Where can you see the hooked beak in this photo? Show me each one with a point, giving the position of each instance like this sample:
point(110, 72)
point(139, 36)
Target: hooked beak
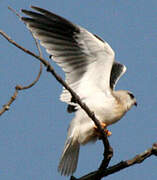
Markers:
point(135, 103)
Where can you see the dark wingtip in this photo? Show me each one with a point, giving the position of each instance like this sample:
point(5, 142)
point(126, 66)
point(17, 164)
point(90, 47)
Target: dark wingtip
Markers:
point(23, 10)
point(34, 7)
point(41, 10)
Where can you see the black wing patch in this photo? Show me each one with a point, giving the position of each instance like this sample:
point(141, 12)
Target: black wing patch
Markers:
point(117, 71)
point(47, 20)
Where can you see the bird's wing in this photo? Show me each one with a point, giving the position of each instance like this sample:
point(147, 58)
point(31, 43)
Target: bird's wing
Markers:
point(117, 71)
point(85, 59)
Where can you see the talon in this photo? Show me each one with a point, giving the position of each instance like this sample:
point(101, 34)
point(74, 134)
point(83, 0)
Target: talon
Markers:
point(103, 125)
point(108, 133)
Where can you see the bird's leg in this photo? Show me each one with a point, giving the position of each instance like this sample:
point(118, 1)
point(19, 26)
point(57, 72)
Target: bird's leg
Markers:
point(103, 125)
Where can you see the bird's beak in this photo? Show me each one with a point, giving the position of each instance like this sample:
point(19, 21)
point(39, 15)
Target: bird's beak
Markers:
point(135, 103)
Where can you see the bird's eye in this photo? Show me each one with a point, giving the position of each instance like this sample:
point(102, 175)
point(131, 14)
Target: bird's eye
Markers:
point(131, 95)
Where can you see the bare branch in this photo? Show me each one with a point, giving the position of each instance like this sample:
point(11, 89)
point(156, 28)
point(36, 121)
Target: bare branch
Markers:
point(18, 88)
point(120, 166)
point(13, 10)
point(73, 94)
point(34, 82)
point(6, 107)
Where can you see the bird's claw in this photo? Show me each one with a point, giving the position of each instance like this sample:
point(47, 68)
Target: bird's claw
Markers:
point(103, 125)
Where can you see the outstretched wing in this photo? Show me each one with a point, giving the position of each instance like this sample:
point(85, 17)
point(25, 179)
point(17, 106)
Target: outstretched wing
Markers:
point(85, 59)
point(117, 71)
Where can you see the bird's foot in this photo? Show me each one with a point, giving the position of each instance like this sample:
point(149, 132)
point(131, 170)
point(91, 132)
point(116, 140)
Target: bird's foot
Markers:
point(103, 125)
point(108, 133)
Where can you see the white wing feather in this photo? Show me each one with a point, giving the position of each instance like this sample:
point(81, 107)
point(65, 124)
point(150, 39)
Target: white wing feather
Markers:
point(85, 59)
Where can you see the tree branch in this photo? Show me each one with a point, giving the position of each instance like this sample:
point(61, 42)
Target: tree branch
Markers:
point(18, 88)
point(6, 107)
point(120, 166)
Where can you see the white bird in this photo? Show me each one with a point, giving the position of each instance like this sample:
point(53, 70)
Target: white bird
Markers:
point(91, 71)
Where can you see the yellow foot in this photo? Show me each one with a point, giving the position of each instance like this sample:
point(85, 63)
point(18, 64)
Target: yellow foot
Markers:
point(108, 133)
point(103, 125)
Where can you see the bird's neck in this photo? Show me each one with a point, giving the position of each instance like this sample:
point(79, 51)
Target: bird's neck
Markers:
point(121, 101)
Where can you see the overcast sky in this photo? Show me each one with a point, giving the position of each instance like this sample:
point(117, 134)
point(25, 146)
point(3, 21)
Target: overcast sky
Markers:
point(33, 131)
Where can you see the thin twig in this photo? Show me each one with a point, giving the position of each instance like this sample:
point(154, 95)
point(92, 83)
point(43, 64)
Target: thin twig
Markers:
point(34, 82)
point(15, 12)
point(6, 107)
point(18, 88)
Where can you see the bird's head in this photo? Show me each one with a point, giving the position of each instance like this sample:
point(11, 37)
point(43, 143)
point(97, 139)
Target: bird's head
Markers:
point(126, 98)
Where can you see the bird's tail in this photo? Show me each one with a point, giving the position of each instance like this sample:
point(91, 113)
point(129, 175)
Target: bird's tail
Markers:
point(69, 158)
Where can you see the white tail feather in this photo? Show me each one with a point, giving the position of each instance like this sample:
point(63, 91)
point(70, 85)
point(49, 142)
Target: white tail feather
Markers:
point(69, 158)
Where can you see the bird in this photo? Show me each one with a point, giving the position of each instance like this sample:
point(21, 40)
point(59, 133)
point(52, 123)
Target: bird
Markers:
point(90, 70)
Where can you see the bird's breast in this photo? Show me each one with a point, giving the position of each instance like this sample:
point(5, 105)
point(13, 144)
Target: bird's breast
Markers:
point(109, 113)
